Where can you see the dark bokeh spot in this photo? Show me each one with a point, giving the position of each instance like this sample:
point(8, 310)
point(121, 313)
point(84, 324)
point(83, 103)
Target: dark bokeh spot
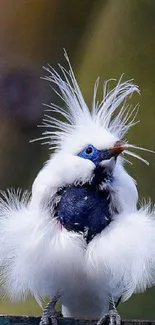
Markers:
point(22, 93)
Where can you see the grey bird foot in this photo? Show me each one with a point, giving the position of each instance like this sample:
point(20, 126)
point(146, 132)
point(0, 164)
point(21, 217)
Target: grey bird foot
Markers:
point(111, 318)
point(50, 315)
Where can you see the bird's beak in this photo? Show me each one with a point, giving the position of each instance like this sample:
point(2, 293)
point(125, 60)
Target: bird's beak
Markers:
point(108, 156)
point(118, 148)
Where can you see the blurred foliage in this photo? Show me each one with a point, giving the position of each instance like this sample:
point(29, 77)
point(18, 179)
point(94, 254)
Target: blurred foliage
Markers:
point(103, 38)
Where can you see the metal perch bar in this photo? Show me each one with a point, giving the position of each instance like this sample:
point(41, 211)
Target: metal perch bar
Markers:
point(34, 320)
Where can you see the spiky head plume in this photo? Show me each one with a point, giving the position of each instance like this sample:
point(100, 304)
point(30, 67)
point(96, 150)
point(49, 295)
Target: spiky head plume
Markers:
point(75, 112)
point(111, 118)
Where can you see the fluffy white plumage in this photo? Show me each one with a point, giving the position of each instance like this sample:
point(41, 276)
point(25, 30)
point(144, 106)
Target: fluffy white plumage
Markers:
point(42, 258)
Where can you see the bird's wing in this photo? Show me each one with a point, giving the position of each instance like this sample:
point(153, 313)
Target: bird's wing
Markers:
point(123, 255)
point(35, 253)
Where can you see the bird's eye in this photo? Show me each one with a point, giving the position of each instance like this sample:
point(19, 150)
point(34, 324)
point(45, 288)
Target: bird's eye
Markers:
point(89, 150)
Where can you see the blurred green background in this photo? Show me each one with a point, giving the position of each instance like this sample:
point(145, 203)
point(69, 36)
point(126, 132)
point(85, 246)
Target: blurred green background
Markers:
point(103, 38)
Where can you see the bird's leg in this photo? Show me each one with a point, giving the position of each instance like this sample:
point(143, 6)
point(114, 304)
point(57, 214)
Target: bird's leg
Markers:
point(112, 317)
point(50, 316)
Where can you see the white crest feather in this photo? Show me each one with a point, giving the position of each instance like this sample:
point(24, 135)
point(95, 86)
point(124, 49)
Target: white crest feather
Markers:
point(75, 111)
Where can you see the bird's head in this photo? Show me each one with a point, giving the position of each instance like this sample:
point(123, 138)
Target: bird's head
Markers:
point(89, 143)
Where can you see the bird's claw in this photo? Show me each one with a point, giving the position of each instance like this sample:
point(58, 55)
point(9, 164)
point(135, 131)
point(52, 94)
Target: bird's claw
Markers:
point(49, 320)
point(50, 315)
point(111, 318)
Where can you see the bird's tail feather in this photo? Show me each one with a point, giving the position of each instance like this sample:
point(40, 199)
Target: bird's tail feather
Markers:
point(14, 220)
point(21, 245)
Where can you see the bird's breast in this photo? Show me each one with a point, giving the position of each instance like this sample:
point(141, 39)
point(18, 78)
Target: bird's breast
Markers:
point(84, 209)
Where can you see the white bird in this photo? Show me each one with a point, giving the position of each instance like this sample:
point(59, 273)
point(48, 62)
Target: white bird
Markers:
point(79, 235)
